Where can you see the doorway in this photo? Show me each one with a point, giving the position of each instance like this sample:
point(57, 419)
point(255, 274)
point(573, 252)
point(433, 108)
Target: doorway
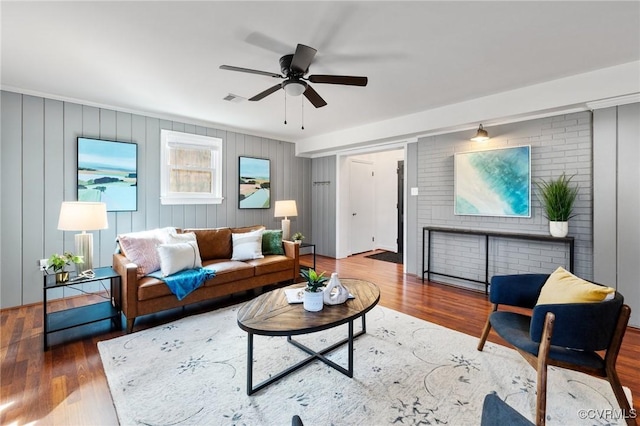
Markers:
point(361, 195)
point(400, 206)
point(382, 232)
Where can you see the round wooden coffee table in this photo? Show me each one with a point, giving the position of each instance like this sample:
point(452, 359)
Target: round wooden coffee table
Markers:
point(271, 315)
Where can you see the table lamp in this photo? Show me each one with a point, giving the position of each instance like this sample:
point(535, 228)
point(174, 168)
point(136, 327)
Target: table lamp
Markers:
point(83, 216)
point(286, 208)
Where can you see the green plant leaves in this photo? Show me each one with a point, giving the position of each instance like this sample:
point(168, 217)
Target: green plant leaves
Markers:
point(314, 280)
point(557, 198)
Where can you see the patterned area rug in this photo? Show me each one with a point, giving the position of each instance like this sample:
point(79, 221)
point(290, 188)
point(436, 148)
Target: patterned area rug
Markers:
point(406, 371)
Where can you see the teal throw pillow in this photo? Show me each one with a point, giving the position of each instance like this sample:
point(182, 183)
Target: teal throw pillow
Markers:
point(272, 241)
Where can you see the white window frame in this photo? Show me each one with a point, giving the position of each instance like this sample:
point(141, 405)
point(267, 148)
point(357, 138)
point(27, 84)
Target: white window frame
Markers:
point(170, 138)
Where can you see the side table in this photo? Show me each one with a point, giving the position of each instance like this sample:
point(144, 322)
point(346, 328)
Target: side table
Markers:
point(313, 246)
point(82, 315)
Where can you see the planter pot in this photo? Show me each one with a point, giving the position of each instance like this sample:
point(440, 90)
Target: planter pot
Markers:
point(297, 241)
point(558, 229)
point(62, 277)
point(313, 301)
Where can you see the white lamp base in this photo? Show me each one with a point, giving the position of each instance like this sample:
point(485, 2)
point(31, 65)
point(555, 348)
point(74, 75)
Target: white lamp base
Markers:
point(84, 248)
point(286, 228)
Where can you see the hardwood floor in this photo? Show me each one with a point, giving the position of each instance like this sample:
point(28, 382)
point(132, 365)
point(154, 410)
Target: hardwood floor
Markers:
point(66, 385)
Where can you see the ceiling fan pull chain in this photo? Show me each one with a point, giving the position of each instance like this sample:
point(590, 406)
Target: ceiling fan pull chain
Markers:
point(285, 107)
point(302, 106)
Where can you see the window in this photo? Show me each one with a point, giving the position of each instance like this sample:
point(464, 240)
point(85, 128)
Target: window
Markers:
point(191, 169)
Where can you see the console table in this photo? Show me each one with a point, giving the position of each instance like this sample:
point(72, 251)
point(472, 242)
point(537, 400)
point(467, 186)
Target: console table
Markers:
point(426, 246)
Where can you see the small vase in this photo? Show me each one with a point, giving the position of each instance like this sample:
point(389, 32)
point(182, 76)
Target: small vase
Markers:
point(335, 293)
point(297, 241)
point(558, 229)
point(313, 301)
point(62, 277)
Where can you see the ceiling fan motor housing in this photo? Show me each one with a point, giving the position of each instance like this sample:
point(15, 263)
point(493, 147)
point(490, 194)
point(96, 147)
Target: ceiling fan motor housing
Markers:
point(285, 67)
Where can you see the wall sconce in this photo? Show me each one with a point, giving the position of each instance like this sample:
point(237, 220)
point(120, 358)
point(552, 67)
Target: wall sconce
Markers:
point(286, 208)
point(481, 135)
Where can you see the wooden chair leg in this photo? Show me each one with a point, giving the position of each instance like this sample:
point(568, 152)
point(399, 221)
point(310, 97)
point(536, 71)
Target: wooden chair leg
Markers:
point(623, 402)
point(543, 354)
point(486, 329)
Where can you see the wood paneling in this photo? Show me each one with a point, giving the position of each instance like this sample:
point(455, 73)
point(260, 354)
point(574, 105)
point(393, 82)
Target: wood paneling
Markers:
point(39, 163)
point(11, 200)
point(67, 385)
point(323, 205)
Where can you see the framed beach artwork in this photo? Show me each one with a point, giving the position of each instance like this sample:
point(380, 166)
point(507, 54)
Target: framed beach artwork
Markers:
point(108, 172)
point(494, 182)
point(254, 183)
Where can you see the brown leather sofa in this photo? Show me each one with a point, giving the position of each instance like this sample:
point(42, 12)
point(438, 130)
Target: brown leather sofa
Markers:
point(149, 295)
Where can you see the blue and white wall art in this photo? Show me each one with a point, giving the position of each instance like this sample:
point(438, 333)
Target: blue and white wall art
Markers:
point(495, 182)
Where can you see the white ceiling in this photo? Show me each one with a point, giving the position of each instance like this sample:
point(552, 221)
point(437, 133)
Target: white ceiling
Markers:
point(163, 58)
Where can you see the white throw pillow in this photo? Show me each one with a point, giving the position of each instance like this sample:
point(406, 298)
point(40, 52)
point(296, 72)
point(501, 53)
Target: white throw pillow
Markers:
point(177, 257)
point(175, 238)
point(247, 246)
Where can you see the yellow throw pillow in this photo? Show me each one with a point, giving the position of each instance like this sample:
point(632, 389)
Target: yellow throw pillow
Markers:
point(564, 287)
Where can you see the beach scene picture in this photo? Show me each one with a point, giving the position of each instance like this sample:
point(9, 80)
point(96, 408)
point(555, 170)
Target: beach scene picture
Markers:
point(107, 172)
point(494, 182)
point(255, 185)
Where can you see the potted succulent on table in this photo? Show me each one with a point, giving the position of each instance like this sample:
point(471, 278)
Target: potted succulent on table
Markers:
point(557, 197)
point(313, 298)
point(297, 237)
point(58, 262)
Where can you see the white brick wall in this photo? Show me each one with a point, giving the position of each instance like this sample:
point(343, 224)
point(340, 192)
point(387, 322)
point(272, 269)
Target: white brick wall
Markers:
point(558, 144)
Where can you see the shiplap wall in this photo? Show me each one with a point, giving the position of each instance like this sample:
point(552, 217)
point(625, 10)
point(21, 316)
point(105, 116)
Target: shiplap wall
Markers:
point(38, 159)
point(558, 144)
point(616, 215)
point(324, 194)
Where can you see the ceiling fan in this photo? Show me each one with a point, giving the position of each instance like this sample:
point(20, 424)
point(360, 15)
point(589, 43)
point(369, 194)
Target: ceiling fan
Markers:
point(294, 67)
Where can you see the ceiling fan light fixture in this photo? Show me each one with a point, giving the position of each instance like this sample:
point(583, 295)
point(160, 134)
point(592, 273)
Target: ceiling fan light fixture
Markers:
point(294, 87)
point(481, 135)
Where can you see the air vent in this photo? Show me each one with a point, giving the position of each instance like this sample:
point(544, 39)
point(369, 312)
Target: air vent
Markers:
point(233, 98)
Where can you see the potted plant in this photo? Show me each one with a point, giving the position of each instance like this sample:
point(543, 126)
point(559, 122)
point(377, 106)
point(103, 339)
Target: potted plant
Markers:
point(313, 298)
point(298, 237)
point(58, 262)
point(557, 197)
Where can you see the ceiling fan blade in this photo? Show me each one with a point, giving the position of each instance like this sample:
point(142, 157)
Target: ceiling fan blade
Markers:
point(339, 79)
point(302, 58)
point(250, 71)
point(314, 98)
point(266, 93)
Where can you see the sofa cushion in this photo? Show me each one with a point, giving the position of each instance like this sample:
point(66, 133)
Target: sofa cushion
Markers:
point(140, 248)
point(564, 287)
point(271, 263)
point(272, 242)
point(228, 270)
point(247, 245)
point(213, 243)
point(244, 229)
point(178, 256)
point(152, 287)
point(141, 251)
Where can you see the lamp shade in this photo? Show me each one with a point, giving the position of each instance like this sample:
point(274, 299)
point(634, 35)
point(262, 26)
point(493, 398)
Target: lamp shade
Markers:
point(294, 87)
point(82, 216)
point(286, 208)
point(481, 135)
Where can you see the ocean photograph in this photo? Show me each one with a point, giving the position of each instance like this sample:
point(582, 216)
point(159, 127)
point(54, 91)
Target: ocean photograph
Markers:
point(495, 182)
point(255, 185)
point(107, 172)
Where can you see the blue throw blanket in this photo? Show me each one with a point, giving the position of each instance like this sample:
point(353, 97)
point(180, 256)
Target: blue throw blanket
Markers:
point(184, 282)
